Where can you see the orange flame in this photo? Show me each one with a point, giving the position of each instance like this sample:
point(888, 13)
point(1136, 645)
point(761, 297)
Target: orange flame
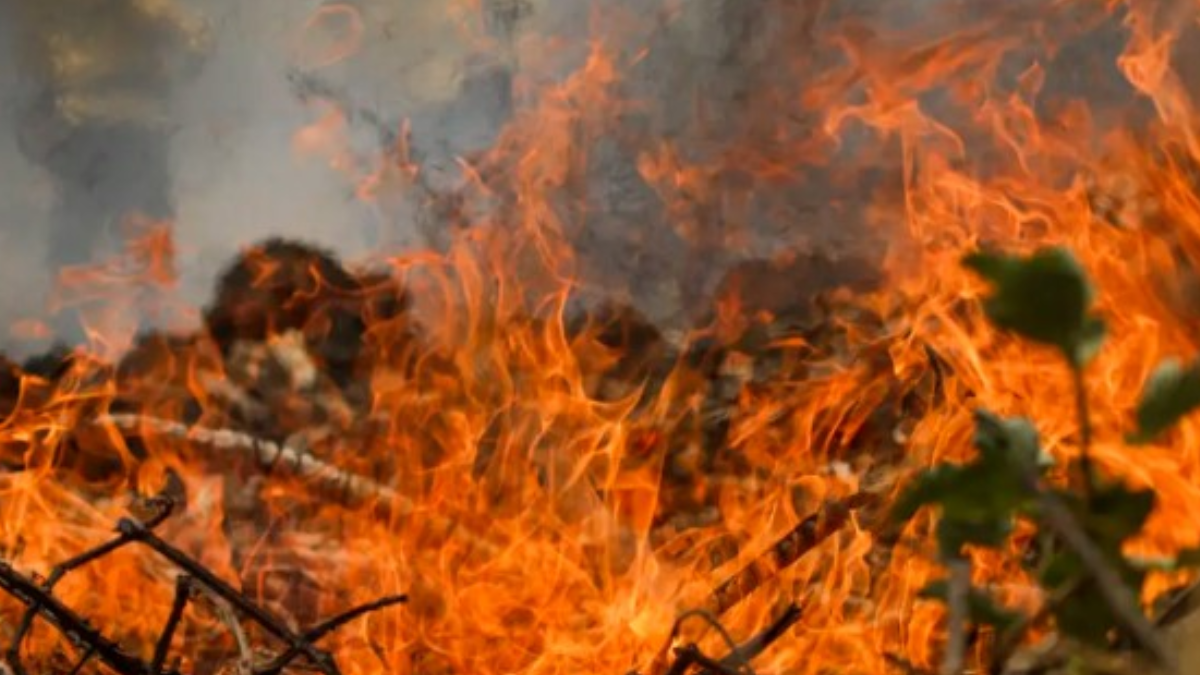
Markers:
point(549, 527)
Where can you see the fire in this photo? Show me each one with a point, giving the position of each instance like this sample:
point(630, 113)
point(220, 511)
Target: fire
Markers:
point(541, 525)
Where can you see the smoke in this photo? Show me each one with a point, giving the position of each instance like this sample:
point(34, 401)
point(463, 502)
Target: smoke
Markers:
point(234, 172)
point(714, 76)
point(25, 197)
point(236, 176)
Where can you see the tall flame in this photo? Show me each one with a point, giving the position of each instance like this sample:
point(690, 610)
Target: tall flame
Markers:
point(547, 528)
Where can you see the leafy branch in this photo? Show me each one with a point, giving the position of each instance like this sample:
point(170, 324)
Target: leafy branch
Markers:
point(1092, 589)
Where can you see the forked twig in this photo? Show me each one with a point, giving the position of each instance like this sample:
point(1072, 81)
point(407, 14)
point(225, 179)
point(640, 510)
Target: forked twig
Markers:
point(789, 549)
point(737, 662)
point(41, 602)
point(76, 629)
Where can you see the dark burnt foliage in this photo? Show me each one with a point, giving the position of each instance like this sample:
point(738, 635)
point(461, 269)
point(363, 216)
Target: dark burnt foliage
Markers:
point(282, 285)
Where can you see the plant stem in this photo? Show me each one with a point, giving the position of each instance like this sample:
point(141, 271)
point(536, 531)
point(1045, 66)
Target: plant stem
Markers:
point(956, 599)
point(1109, 585)
point(1087, 484)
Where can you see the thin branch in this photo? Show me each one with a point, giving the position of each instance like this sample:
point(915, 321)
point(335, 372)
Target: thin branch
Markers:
point(956, 600)
point(319, 631)
point(327, 480)
point(83, 661)
point(1087, 481)
point(76, 629)
point(229, 619)
point(271, 623)
point(695, 656)
point(162, 512)
point(1109, 584)
point(684, 659)
point(711, 620)
point(37, 596)
point(802, 539)
point(183, 593)
point(752, 648)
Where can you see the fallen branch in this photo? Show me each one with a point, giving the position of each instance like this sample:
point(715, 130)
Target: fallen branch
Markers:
point(752, 648)
point(809, 534)
point(327, 480)
point(801, 540)
point(76, 628)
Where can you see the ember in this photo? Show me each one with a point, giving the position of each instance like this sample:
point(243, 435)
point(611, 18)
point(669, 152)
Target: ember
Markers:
point(833, 361)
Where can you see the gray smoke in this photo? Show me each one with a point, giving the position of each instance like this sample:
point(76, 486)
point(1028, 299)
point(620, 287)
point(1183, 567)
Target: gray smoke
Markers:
point(716, 74)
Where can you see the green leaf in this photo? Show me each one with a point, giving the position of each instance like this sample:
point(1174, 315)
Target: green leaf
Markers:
point(1086, 617)
point(1045, 297)
point(982, 609)
point(1171, 392)
point(1116, 513)
point(929, 487)
point(955, 532)
point(1010, 443)
point(1083, 614)
point(978, 500)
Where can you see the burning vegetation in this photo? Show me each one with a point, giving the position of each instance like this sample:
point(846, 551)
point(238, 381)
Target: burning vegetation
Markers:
point(889, 375)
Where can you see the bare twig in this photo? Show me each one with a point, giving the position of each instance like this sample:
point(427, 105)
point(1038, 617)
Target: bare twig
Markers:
point(349, 488)
point(218, 586)
point(40, 601)
point(738, 660)
point(321, 630)
point(228, 618)
point(83, 661)
point(183, 592)
point(956, 600)
point(752, 648)
point(801, 540)
point(327, 480)
point(35, 608)
point(695, 656)
point(1087, 480)
point(74, 627)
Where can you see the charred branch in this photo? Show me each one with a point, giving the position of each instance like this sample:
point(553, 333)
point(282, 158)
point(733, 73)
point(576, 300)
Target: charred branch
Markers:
point(739, 658)
point(76, 628)
point(802, 539)
point(40, 601)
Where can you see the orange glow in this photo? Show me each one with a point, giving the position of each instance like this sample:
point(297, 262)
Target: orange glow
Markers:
point(545, 524)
